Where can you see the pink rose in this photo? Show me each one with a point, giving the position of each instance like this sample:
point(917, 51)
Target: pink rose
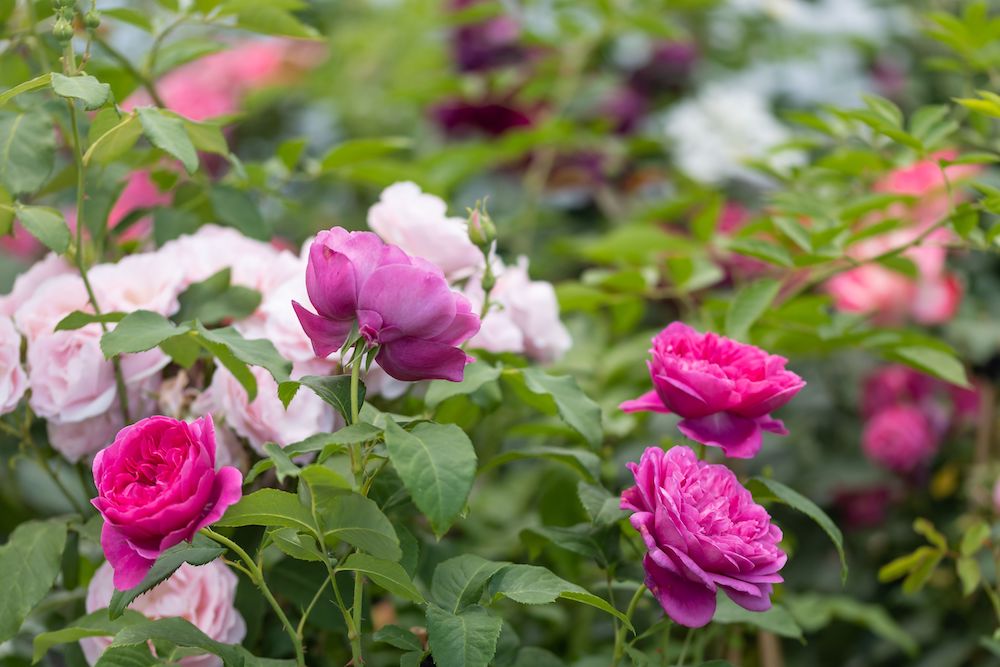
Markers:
point(49, 303)
point(723, 390)
point(204, 595)
point(144, 281)
point(703, 532)
point(901, 438)
point(70, 378)
point(526, 319)
point(863, 507)
point(419, 224)
point(928, 182)
point(400, 303)
point(157, 485)
point(28, 282)
point(13, 379)
point(266, 419)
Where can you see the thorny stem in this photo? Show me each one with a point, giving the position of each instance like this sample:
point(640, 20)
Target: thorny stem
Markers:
point(257, 577)
point(308, 610)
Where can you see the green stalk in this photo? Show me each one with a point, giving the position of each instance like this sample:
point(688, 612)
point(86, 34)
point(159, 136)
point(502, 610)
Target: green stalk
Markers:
point(257, 577)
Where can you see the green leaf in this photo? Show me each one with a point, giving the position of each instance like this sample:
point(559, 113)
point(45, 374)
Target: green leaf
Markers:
point(531, 584)
point(297, 545)
point(388, 574)
point(95, 624)
point(902, 565)
point(358, 521)
point(334, 389)
point(84, 87)
point(37, 83)
point(349, 435)
point(797, 501)
point(29, 564)
point(748, 305)
point(357, 150)
point(476, 375)
point(437, 464)
point(969, 573)
point(577, 409)
point(268, 507)
point(133, 17)
point(180, 632)
point(127, 656)
point(166, 131)
point(814, 612)
point(466, 639)
point(114, 143)
point(936, 362)
point(79, 319)
point(602, 507)
point(235, 208)
point(47, 225)
point(776, 619)
point(207, 137)
point(587, 464)
point(255, 352)
point(137, 332)
point(393, 635)
point(269, 20)
point(199, 552)
point(768, 252)
point(923, 570)
point(926, 528)
point(974, 538)
point(283, 465)
point(215, 299)
point(459, 582)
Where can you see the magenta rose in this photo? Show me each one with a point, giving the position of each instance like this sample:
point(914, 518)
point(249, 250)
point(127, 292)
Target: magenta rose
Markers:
point(723, 390)
point(400, 304)
point(703, 532)
point(901, 438)
point(157, 486)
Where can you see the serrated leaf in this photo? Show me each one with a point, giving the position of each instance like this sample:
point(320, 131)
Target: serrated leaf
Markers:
point(969, 574)
point(335, 390)
point(283, 465)
point(974, 538)
point(139, 331)
point(357, 520)
point(748, 305)
point(27, 151)
point(797, 501)
point(776, 619)
point(577, 409)
point(115, 142)
point(437, 464)
point(83, 87)
point(587, 464)
point(95, 624)
point(476, 375)
point(47, 225)
point(459, 582)
point(466, 639)
point(236, 209)
point(37, 83)
point(936, 362)
point(29, 564)
point(167, 132)
point(357, 150)
point(393, 635)
point(79, 319)
point(268, 507)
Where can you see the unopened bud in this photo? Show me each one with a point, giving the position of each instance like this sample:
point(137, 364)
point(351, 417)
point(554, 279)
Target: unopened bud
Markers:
point(62, 30)
point(92, 19)
point(482, 231)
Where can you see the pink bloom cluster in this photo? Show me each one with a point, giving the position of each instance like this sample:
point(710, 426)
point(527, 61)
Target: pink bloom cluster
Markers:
point(890, 297)
point(723, 390)
point(203, 595)
point(906, 415)
point(703, 533)
point(72, 385)
point(157, 485)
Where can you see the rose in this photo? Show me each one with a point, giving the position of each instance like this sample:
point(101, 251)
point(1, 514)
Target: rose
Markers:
point(203, 595)
point(703, 532)
point(418, 223)
point(266, 419)
point(402, 305)
point(13, 379)
point(29, 281)
point(525, 318)
point(901, 438)
point(157, 486)
point(723, 390)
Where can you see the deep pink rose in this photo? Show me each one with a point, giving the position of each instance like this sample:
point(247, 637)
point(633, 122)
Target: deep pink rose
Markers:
point(401, 304)
point(703, 532)
point(901, 438)
point(204, 595)
point(723, 390)
point(157, 486)
point(862, 507)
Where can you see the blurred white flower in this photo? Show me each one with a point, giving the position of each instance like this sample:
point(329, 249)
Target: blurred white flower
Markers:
point(714, 134)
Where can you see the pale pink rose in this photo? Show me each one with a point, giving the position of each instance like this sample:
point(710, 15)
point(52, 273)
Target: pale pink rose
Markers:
point(419, 224)
point(926, 180)
point(80, 440)
point(49, 303)
point(266, 419)
point(217, 84)
point(19, 243)
point(204, 595)
point(70, 379)
point(276, 321)
point(13, 379)
point(140, 192)
point(28, 282)
point(524, 317)
point(144, 281)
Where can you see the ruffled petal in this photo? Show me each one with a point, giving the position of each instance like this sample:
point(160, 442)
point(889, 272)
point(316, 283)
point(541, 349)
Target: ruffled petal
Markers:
point(738, 437)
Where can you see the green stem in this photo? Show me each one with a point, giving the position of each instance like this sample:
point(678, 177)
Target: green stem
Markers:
point(81, 264)
point(257, 576)
point(356, 648)
point(685, 647)
point(308, 610)
point(145, 81)
point(620, 629)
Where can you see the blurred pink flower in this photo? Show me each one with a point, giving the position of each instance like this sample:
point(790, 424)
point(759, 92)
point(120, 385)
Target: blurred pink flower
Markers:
point(13, 379)
point(723, 390)
point(901, 438)
point(204, 595)
point(863, 507)
point(703, 532)
point(928, 181)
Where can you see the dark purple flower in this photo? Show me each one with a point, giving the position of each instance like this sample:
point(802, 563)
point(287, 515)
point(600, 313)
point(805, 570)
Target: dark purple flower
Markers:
point(668, 70)
point(486, 44)
point(459, 118)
